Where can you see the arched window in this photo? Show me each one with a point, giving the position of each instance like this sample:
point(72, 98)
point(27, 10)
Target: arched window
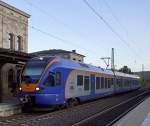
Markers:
point(11, 40)
point(19, 43)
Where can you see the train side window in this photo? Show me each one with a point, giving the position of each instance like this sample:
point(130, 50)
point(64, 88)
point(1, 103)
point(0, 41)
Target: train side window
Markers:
point(102, 82)
point(80, 80)
point(121, 82)
point(50, 81)
point(86, 83)
point(125, 83)
point(112, 81)
point(128, 82)
point(134, 82)
point(97, 82)
point(109, 82)
point(118, 82)
point(106, 82)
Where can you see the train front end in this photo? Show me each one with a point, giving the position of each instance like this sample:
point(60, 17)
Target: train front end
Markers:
point(33, 88)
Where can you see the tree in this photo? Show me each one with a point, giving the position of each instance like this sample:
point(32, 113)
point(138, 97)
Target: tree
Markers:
point(125, 69)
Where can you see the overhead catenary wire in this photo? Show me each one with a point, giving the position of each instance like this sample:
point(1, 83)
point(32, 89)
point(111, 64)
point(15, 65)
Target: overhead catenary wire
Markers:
point(60, 39)
point(50, 35)
point(58, 20)
point(50, 16)
point(109, 26)
point(121, 25)
point(61, 22)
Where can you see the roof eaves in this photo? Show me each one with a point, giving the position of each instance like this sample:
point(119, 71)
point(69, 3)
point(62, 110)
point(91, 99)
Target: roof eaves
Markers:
point(14, 9)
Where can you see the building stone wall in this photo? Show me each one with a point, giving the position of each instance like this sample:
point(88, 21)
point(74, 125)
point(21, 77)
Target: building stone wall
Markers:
point(64, 55)
point(15, 23)
point(1, 38)
point(76, 57)
point(13, 36)
point(72, 56)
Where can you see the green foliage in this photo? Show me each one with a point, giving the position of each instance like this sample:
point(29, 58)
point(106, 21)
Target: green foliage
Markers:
point(145, 80)
point(125, 69)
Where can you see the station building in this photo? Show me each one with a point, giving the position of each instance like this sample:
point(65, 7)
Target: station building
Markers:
point(72, 55)
point(13, 47)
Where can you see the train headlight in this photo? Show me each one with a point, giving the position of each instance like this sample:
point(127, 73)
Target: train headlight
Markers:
point(20, 89)
point(37, 88)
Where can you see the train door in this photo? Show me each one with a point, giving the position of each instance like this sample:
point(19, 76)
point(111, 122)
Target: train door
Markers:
point(92, 84)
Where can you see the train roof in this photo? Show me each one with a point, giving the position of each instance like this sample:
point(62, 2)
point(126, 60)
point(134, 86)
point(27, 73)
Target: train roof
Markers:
point(87, 67)
point(82, 66)
point(126, 75)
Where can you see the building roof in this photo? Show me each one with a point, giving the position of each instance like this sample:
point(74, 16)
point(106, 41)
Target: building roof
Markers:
point(14, 9)
point(56, 51)
point(7, 55)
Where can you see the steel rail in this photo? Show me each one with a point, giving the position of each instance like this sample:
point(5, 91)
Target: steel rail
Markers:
point(111, 108)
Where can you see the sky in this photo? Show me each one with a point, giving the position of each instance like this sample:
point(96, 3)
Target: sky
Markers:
point(71, 24)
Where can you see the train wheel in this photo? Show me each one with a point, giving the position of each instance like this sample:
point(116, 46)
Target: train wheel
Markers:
point(58, 107)
point(27, 108)
point(76, 101)
point(72, 102)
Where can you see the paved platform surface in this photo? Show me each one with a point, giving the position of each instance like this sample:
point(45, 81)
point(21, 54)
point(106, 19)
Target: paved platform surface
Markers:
point(140, 116)
point(9, 107)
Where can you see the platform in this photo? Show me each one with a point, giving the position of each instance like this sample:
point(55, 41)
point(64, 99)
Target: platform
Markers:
point(9, 107)
point(140, 116)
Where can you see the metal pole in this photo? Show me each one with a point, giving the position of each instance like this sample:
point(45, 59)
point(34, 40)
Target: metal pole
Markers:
point(112, 59)
point(143, 79)
point(113, 67)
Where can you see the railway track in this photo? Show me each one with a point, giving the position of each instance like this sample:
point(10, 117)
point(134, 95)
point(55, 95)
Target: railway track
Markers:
point(15, 119)
point(109, 116)
point(84, 114)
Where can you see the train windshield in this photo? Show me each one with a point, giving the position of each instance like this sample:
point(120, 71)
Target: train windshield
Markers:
point(34, 68)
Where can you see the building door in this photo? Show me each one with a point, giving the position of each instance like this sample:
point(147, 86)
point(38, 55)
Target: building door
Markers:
point(11, 84)
point(8, 77)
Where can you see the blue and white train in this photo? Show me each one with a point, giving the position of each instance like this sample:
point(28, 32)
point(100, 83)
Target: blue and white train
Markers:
point(52, 81)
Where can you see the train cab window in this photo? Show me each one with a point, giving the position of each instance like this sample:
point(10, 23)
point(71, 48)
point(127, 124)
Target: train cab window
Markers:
point(58, 78)
point(80, 80)
point(86, 83)
point(97, 82)
point(102, 82)
point(50, 81)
